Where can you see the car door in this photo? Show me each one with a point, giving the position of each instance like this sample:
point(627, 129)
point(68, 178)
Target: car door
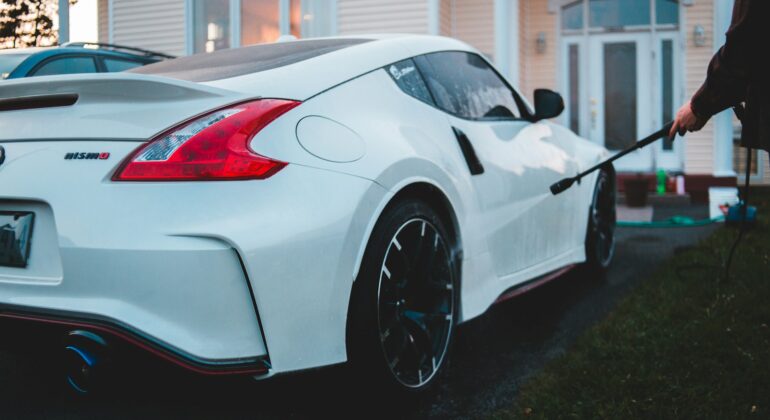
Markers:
point(512, 161)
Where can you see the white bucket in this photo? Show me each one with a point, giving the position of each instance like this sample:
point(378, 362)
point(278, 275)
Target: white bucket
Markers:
point(719, 196)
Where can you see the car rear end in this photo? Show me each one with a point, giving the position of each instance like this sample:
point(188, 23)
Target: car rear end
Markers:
point(100, 230)
point(175, 207)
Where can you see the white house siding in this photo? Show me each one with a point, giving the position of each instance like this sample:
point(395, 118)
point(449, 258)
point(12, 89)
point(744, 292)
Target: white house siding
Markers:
point(103, 32)
point(699, 147)
point(382, 16)
point(474, 23)
point(157, 25)
point(445, 16)
point(537, 69)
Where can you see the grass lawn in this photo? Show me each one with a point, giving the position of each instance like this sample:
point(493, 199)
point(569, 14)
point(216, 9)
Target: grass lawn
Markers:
point(679, 346)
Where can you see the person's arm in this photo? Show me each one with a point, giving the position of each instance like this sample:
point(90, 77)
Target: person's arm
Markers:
point(727, 76)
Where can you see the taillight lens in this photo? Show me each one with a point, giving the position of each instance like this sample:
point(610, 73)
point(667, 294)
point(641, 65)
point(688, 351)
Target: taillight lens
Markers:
point(212, 147)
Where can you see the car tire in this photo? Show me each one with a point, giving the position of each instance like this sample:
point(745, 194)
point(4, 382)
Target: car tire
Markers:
point(404, 305)
point(602, 217)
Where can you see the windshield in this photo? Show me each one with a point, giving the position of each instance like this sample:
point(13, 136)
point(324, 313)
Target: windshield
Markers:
point(8, 62)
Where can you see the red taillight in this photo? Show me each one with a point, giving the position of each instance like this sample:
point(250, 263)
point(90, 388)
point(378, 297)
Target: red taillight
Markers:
point(212, 147)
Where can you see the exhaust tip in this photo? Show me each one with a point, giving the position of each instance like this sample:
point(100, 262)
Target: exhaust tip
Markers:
point(86, 360)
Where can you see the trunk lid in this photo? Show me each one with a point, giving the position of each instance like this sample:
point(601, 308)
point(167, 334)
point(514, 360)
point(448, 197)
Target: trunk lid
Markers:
point(117, 106)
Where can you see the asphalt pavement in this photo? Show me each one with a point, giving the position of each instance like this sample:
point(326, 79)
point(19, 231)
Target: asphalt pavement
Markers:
point(493, 356)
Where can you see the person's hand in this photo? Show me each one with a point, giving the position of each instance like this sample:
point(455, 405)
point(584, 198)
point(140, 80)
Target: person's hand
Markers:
point(685, 121)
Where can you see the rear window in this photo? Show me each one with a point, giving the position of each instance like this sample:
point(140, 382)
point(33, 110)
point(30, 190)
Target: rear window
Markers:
point(235, 62)
point(8, 63)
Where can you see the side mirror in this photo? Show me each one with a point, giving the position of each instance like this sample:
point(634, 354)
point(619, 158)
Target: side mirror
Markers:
point(548, 104)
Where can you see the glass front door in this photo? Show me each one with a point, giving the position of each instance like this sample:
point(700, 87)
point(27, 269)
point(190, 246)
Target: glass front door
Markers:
point(619, 103)
point(620, 76)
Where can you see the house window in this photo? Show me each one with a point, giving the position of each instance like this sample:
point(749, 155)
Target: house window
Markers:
point(216, 25)
point(618, 14)
point(667, 12)
point(260, 21)
point(574, 88)
point(572, 16)
point(667, 94)
point(312, 18)
point(211, 25)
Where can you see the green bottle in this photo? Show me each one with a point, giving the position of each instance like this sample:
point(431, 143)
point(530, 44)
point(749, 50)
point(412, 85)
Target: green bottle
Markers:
point(661, 182)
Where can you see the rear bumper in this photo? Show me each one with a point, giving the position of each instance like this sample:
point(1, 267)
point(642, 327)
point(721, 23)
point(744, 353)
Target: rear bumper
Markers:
point(189, 301)
point(115, 330)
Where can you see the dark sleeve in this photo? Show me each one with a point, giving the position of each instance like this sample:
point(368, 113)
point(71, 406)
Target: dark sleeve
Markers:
point(728, 72)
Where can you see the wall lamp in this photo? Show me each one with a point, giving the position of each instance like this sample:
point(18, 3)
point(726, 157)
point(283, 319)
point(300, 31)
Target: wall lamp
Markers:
point(699, 36)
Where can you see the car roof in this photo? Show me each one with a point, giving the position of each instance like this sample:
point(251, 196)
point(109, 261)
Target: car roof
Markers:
point(245, 60)
point(299, 69)
point(24, 51)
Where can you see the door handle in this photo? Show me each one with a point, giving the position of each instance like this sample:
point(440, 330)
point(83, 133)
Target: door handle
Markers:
point(473, 162)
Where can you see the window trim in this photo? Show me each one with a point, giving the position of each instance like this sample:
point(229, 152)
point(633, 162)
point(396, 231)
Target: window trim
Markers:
point(38, 66)
point(525, 113)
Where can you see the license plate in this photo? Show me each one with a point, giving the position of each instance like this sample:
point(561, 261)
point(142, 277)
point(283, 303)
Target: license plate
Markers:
point(15, 237)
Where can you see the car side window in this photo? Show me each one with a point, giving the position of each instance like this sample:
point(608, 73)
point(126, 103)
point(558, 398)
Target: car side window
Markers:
point(66, 65)
point(116, 64)
point(408, 78)
point(463, 84)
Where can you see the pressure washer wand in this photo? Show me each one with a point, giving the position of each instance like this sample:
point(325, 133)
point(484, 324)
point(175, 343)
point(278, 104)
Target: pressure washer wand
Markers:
point(566, 183)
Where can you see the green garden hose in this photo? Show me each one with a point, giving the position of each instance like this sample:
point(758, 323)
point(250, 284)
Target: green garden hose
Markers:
point(674, 222)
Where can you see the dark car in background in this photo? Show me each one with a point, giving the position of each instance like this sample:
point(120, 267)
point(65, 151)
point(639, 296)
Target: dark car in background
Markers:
point(70, 58)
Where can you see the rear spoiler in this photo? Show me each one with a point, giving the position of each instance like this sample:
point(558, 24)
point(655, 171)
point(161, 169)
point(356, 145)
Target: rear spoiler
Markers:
point(64, 90)
point(98, 106)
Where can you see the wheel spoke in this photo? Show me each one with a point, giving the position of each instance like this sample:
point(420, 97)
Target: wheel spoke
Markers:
point(398, 355)
point(418, 330)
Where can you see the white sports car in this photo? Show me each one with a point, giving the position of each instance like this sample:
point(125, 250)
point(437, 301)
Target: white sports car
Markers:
point(288, 206)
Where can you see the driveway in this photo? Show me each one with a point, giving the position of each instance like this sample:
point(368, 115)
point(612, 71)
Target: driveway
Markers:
point(494, 355)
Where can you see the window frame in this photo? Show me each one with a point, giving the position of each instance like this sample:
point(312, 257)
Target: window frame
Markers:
point(525, 113)
point(235, 15)
point(33, 71)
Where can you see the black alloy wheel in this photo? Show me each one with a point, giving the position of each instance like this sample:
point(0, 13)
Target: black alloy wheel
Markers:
point(600, 241)
point(416, 302)
point(404, 306)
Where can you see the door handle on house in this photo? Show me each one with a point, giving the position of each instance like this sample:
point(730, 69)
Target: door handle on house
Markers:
point(594, 114)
